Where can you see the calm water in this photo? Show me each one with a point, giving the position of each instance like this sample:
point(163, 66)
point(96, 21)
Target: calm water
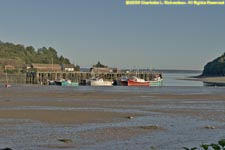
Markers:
point(173, 79)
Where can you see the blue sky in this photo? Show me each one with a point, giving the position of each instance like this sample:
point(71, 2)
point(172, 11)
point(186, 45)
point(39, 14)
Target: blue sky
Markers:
point(87, 31)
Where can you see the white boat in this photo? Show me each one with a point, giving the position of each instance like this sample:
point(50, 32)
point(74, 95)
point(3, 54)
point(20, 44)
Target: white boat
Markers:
point(98, 82)
point(64, 82)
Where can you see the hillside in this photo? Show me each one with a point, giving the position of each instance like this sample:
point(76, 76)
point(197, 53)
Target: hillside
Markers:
point(215, 67)
point(19, 54)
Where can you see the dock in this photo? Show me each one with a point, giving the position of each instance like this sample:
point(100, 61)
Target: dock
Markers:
point(80, 77)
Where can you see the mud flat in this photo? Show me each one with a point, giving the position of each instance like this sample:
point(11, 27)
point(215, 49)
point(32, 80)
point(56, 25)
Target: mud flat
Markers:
point(213, 81)
point(207, 81)
point(36, 117)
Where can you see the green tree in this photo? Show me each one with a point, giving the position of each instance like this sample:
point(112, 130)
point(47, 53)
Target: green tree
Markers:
point(215, 67)
point(99, 65)
point(30, 55)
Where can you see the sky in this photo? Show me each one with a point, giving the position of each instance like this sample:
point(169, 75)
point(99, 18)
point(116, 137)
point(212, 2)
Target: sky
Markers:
point(117, 35)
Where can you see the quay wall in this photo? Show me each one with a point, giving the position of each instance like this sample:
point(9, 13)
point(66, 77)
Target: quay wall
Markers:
point(13, 78)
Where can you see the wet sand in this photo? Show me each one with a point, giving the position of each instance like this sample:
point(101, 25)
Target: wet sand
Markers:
point(90, 105)
point(107, 111)
point(219, 80)
point(16, 105)
point(207, 81)
point(213, 79)
point(63, 117)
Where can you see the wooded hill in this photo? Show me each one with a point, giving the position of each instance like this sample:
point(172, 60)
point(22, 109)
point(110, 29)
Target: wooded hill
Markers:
point(17, 54)
point(215, 67)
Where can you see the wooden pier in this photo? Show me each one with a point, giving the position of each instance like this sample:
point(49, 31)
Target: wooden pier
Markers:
point(44, 77)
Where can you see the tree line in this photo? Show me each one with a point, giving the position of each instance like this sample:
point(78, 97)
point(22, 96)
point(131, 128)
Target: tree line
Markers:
point(27, 55)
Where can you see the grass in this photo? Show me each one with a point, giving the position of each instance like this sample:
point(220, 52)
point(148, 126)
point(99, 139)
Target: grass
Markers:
point(220, 145)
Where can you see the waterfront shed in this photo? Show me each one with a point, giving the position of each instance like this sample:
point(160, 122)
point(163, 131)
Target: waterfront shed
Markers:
point(46, 67)
point(9, 67)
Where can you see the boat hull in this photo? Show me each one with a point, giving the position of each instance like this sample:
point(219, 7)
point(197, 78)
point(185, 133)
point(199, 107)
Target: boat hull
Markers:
point(156, 83)
point(66, 83)
point(146, 83)
point(135, 83)
point(100, 83)
point(123, 83)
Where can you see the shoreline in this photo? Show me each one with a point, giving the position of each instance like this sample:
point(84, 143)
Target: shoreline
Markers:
point(216, 79)
point(207, 80)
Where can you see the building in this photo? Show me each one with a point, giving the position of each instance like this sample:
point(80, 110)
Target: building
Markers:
point(46, 67)
point(68, 67)
point(103, 70)
point(9, 67)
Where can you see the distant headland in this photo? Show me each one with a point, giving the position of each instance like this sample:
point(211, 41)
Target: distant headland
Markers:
point(214, 72)
point(215, 67)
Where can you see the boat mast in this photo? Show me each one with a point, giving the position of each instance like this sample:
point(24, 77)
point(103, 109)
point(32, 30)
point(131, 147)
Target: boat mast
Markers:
point(6, 77)
point(52, 64)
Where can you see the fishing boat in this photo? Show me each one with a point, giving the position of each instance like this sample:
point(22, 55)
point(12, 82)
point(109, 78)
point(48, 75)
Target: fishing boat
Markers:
point(156, 82)
point(7, 85)
point(64, 82)
point(98, 82)
point(135, 81)
point(51, 82)
point(123, 81)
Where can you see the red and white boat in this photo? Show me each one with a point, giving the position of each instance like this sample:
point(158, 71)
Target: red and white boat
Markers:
point(135, 81)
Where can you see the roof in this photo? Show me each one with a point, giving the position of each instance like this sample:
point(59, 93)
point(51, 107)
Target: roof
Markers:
point(98, 68)
point(46, 66)
point(68, 66)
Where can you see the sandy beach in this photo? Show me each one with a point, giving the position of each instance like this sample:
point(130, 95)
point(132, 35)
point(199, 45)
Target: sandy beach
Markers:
point(101, 117)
